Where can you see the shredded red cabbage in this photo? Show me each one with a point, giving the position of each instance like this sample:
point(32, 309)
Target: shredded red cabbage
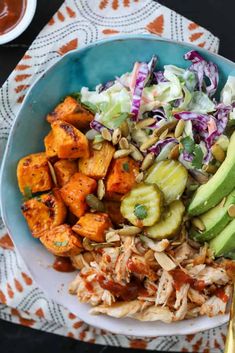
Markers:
point(143, 75)
point(203, 69)
point(96, 125)
point(156, 149)
point(158, 77)
point(199, 121)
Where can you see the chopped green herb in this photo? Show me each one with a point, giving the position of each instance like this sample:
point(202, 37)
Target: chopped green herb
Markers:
point(27, 193)
point(198, 157)
point(140, 211)
point(126, 167)
point(188, 144)
point(61, 243)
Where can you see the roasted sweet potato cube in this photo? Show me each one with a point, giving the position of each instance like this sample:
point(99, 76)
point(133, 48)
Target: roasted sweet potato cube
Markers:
point(96, 166)
point(75, 191)
point(64, 169)
point(93, 226)
point(121, 177)
point(62, 241)
point(50, 145)
point(113, 210)
point(33, 173)
point(44, 212)
point(69, 142)
point(71, 111)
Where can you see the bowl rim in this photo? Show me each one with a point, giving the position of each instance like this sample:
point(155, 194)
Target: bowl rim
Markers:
point(221, 319)
point(22, 24)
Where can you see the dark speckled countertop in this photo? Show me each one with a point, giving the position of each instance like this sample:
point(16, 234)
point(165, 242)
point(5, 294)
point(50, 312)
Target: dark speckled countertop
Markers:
point(217, 16)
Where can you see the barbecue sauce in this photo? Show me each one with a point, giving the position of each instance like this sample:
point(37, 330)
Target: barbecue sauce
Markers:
point(63, 264)
point(11, 12)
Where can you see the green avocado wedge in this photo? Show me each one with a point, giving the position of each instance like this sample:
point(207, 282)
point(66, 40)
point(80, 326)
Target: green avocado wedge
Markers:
point(220, 185)
point(214, 220)
point(224, 243)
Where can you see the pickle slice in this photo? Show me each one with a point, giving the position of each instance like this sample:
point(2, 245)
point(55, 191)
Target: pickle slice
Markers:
point(170, 222)
point(171, 178)
point(142, 205)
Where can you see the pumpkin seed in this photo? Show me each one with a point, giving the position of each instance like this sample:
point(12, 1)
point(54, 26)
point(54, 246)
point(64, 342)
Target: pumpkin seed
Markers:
point(231, 211)
point(106, 134)
point(145, 122)
point(151, 141)
point(95, 203)
point(218, 152)
point(53, 174)
point(210, 168)
point(136, 154)
point(170, 125)
point(116, 136)
point(163, 135)
point(124, 129)
point(100, 189)
point(129, 230)
point(179, 128)
point(197, 222)
point(139, 177)
point(174, 153)
point(97, 146)
point(124, 144)
point(148, 161)
point(121, 153)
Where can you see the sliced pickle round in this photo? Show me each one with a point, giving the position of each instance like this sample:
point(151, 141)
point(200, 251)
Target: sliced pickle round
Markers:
point(171, 178)
point(170, 222)
point(142, 205)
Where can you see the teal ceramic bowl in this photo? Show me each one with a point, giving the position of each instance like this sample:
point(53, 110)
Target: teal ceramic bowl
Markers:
point(89, 66)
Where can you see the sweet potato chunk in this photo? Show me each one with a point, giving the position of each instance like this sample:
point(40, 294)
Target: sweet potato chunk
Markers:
point(96, 166)
point(61, 241)
point(75, 191)
point(93, 226)
point(33, 173)
point(113, 210)
point(71, 111)
point(69, 142)
point(64, 169)
point(44, 212)
point(50, 146)
point(121, 177)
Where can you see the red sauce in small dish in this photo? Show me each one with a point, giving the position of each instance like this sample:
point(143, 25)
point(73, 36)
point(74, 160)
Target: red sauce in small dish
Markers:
point(11, 12)
point(63, 264)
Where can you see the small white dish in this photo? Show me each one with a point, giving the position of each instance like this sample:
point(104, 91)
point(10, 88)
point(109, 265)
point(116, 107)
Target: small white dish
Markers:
point(22, 24)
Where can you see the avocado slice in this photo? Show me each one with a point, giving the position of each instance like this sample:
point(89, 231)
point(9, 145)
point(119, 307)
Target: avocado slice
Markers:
point(224, 243)
point(214, 220)
point(220, 184)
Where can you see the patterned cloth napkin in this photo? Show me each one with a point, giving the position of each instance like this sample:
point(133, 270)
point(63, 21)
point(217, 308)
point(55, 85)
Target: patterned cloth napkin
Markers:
point(79, 22)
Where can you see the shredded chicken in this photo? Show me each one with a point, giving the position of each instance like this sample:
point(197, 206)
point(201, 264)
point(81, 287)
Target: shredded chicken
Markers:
point(196, 297)
point(121, 270)
point(120, 309)
point(214, 305)
point(213, 275)
point(184, 252)
point(132, 280)
point(165, 288)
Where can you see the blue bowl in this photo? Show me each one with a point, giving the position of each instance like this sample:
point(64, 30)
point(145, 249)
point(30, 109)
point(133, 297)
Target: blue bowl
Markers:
point(89, 66)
